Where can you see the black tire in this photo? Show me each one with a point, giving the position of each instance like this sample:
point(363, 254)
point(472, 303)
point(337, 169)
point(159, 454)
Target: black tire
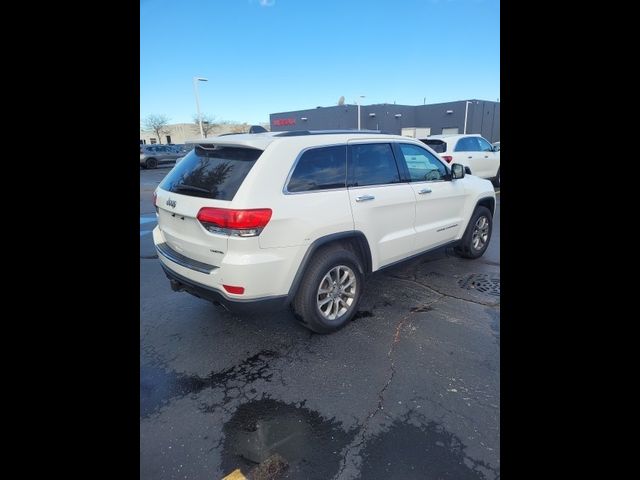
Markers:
point(151, 163)
point(305, 303)
point(467, 247)
point(496, 179)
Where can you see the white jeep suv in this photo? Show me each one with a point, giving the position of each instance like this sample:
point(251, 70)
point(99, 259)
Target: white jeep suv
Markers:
point(470, 150)
point(266, 220)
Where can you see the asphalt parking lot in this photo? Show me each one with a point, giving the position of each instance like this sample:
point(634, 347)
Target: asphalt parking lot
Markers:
point(410, 389)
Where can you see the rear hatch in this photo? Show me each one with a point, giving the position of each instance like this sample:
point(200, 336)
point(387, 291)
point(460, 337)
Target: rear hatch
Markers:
point(438, 146)
point(208, 176)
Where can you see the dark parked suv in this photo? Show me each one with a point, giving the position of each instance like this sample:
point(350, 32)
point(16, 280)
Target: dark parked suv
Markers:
point(153, 155)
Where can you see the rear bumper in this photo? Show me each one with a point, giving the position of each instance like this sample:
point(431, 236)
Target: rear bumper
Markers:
point(267, 304)
point(264, 274)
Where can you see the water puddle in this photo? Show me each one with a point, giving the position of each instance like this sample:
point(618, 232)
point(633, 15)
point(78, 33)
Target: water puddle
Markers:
point(409, 452)
point(158, 386)
point(310, 444)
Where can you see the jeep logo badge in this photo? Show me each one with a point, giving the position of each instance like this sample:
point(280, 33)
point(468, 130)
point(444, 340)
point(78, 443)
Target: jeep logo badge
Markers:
point(171, 203)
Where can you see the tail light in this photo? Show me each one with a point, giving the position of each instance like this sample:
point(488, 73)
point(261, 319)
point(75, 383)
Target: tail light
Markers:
point(237, 223)
point(155, 198)
point(447, 158)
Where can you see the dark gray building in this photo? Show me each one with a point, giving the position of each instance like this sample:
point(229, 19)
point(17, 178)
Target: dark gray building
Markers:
point(482, 117)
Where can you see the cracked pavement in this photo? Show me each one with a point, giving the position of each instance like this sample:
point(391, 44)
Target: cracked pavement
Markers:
point(410, 389)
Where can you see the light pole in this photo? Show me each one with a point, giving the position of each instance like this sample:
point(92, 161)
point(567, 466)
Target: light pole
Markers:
point(466, 111)
point(195, 89)
point(358, 101)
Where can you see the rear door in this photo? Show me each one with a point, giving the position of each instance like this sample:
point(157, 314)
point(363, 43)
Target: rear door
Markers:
point(162, 154)
point(466, 152)
point(383, 207)
point(174, 151)
point(439, 200)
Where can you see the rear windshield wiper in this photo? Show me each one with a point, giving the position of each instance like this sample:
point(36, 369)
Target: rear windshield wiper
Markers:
point(191, 187)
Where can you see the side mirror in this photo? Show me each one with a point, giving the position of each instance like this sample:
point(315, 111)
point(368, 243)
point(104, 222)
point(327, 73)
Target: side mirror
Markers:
point(457, 171)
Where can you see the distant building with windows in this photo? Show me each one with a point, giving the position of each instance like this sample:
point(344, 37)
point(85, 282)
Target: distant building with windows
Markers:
point(482, 116)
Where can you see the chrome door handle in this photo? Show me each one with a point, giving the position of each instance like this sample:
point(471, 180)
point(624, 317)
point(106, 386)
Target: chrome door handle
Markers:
point(424, 190)
point(364, 198)
point(486, 156)
point(470, 156)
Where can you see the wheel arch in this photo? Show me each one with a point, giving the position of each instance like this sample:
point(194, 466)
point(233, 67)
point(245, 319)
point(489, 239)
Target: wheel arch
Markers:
point(488, 202)
point(355, 240)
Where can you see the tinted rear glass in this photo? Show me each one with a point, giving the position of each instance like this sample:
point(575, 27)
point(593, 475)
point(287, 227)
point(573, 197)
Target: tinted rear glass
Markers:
point(438, 146)
point(211, 172)
point(320, 169)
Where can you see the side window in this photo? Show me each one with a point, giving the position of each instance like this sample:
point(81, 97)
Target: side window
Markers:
point(373, 164)
point(422, 164)
point(320, 169)
point(464, 145)
point(484, 145)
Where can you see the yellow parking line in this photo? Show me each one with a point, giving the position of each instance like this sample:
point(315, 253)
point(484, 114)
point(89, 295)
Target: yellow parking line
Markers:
point(235, 475)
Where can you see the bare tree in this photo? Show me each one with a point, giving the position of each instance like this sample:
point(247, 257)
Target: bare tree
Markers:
point(234, 127)
point(208, 124)
point(240, 127)
point(157, 123)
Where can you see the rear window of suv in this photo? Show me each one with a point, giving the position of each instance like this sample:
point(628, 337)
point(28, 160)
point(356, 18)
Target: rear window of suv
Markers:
point(438, 146)
point(210, 171)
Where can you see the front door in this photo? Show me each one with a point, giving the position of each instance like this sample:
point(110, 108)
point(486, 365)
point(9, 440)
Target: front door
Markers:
point(487, 161)
point(383, 208)
point(439, 200)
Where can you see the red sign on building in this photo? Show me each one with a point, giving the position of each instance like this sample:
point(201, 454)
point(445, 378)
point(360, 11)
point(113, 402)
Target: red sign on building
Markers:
point(284, 121)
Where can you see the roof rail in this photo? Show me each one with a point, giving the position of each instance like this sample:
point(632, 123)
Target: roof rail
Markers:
point(299, 133)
